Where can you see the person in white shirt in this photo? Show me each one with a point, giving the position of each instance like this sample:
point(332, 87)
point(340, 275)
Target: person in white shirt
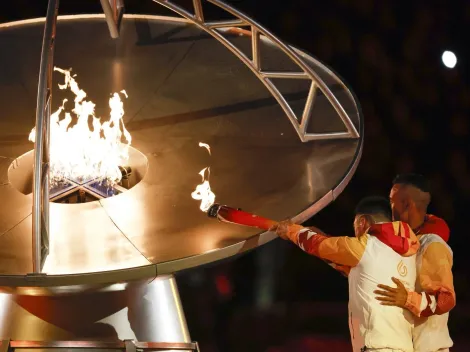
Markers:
point(435, 295)
point(381, 249)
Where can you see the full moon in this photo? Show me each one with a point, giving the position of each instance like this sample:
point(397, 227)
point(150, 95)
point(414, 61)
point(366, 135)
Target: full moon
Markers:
point(449, 59)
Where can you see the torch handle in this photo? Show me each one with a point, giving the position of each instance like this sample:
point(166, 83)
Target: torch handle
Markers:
point(241, 217)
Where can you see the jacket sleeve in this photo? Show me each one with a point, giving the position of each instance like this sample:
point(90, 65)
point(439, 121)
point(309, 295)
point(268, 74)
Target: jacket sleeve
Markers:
point(343, 251)
point(436, 280)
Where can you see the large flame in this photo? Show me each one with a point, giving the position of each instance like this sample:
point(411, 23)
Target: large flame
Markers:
point(83, 152)
point(203, 191)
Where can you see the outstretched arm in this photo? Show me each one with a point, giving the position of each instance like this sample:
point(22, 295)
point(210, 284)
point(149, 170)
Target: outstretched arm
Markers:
point(436, 281)
point(344, 251)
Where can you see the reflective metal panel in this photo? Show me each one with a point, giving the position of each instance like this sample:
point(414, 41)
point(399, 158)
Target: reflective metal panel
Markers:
point(184, 87)
point(143, 312)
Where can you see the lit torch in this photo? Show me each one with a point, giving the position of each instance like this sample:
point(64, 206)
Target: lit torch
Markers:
point(237, 216)
point(225, 213)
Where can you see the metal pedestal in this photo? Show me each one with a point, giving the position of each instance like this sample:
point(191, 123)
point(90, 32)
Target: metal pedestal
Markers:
point(142, 312)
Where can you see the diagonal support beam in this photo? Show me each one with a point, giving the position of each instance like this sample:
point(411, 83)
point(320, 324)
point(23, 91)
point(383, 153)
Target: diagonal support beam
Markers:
point(198, 12)
point(225, 24)
point(285, 75)
point(255, 48)
point(308, 108)
point(258, 33)
point(113, 12)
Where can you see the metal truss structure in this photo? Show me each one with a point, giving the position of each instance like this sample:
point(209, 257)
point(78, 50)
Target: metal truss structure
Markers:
point(305, 71)
point(113, 10)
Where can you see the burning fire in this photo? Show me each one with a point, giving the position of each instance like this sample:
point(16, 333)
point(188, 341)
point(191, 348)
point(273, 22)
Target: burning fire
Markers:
point(207, 146)
point(222, 212)
point(203, 191)
point(84, 151)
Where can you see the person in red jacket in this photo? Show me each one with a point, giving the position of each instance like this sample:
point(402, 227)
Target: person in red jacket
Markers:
point(435, 295)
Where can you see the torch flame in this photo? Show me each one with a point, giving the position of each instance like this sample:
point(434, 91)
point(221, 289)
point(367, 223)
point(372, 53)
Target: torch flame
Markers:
point(203, 191)
point(207, 146)
point(84, 152)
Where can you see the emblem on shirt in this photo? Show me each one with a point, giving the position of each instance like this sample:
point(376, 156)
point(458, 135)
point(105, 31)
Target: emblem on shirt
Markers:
point(402, 269)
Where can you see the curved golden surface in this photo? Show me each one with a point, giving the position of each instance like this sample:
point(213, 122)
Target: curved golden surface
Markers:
point(184, 87)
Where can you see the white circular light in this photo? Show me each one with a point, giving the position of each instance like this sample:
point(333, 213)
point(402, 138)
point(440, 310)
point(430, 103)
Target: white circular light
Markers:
point(449, 59)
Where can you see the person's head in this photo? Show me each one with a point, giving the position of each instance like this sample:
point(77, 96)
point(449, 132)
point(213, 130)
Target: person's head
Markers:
point(369, 211)
point(409, 198)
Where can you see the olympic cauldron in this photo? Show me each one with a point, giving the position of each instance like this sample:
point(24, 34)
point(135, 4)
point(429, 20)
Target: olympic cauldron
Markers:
point(286, 138)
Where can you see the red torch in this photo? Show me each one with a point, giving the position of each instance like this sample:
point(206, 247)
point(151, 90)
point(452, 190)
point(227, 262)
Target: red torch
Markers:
point(237, 216)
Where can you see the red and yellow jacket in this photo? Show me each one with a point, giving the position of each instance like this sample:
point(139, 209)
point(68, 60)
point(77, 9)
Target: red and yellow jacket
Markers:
point(385, 249)
point(345, 252)
point(435, 275)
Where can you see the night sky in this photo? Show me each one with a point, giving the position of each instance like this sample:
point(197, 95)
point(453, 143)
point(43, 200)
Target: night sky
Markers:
point(416, 120)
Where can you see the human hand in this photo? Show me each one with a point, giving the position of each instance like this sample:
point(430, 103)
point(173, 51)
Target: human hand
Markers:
point(391, 296)
point(282, 228)
point(286, 229)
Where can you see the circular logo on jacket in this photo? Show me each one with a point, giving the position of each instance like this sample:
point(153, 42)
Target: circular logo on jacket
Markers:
point(402, 269)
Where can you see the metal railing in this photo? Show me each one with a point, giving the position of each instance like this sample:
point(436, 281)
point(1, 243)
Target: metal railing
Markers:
point(126, 345)
point(300, 123)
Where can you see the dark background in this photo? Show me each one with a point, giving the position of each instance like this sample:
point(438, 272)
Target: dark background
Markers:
point(415, 110)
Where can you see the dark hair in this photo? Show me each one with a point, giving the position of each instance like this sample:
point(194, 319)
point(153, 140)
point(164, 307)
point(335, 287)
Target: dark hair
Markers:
point(416, 180)
point(375, 206)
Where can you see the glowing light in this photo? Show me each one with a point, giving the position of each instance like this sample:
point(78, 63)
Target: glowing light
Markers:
point(449, 59)
point(207, 146)
point(87, 149)
point(203, 191)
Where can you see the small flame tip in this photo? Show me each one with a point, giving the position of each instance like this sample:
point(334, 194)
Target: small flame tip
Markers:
point(203, 191)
